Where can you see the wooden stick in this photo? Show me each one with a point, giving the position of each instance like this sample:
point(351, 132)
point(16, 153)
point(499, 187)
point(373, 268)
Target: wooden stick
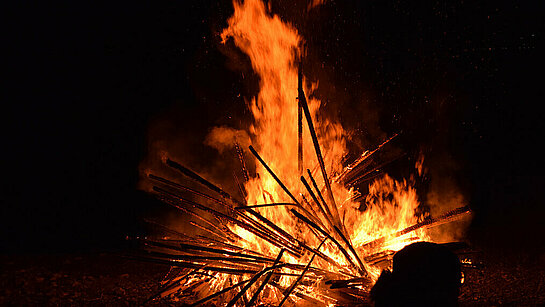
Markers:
point(247, 208)
point(266, 281)
point(246, 226)
point(312, 301)
point(323, 201)
point(254, 279)
point(303, 101)
point(280, 183)
point(325, 233)
point(174, 201)
point(240, 154)
point(225, 290)
point(169, 285)
point(352, 167)
point(189, 173)
point(179, 186)
point(288, 236)
point(290, 289)
point(184, 247)
point(166, 229)
point(313, 196)
point(239, 185)
point(243, 208)
point(351, 248)
point(359, 179)
point(428, 223)
point(300, 123)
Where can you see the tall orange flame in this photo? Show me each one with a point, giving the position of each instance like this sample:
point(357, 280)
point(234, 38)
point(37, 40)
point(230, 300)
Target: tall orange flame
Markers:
point(273, 47)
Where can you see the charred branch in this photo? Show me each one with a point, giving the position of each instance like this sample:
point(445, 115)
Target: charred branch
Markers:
point(266, 281)
point(280, 183)
point(428, 223)
point(290, 289)
point(304, 105)
point(227, 218)
point(189, 173)
point(339, 246)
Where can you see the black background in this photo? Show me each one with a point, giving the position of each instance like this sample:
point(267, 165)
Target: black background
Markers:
point(85, 81)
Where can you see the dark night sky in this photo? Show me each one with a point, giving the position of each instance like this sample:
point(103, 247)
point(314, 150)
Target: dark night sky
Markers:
point(85, 80)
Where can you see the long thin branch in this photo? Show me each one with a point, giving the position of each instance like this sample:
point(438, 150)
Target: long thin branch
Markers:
point(325, 233)
point(266, 281)
point(290, 289)
point(304, 104)
point(450, 215)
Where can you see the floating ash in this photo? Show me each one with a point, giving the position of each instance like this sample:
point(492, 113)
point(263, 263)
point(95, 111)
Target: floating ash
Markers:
point(303, 233)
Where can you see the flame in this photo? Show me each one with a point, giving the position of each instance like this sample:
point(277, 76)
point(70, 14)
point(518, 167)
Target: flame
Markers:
point(273, 48)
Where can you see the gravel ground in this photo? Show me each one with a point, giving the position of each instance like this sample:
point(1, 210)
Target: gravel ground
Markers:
point(109, 279)
point(506, 279)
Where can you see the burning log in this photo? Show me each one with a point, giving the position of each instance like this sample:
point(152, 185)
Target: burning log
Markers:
point(327, 213)
point(277, 229)
point(324, 204)
point(240, 262)
point(173, 201)
point(184, 247)
point(276, 232)
point(321, 255)
point(380, 256)
point(174, 263)
point(206, 229)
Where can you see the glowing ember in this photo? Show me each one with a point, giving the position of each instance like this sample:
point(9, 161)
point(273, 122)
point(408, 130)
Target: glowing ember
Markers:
point(313, 235)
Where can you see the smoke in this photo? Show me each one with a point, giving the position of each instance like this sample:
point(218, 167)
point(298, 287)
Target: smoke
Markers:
point(345, 95)
point(315, 3)
point(444, 194)
point(224, 138)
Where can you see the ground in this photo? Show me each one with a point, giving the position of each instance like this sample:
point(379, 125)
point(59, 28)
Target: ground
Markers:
point(110, 279)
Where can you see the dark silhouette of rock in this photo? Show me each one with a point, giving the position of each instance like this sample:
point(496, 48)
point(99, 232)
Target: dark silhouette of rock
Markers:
point(423, 274)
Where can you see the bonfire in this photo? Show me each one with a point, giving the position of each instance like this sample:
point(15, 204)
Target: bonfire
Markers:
point(303, 234)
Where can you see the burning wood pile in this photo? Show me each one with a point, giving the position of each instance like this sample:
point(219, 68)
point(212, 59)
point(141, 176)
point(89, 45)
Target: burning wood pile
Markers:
point(303, 234)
